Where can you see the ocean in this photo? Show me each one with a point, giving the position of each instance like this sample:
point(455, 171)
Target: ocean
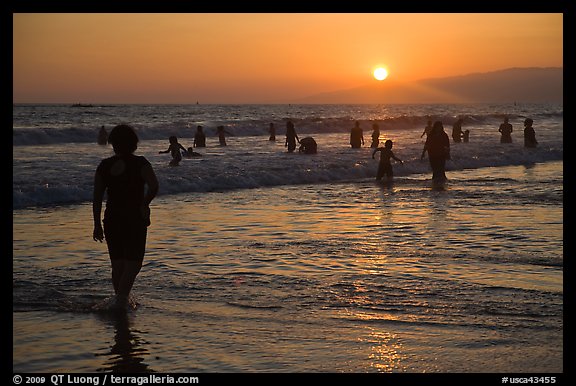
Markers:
point(264, 261)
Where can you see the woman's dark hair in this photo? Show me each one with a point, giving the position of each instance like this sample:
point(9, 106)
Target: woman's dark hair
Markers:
point(123, 139)
point(437, 128)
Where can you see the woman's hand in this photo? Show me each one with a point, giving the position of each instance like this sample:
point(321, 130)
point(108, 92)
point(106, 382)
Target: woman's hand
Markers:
point(98, 233)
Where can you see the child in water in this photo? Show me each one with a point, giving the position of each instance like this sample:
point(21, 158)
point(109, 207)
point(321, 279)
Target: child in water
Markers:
point(174, 149)
point(385, 167)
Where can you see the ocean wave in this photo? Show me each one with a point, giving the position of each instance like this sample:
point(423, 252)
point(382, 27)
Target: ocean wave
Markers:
point(212, 179)
point(61, 170)
point(160, 122)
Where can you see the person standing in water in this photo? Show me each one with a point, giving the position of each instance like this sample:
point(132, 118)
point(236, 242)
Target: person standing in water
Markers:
point(356, 136)
point(457, 130)
point(506, 130)
point(272, 131)
point(385, 167)
point(427, 129)
point(438, 147)
point(529, 133)
point(375, 136)
point(123, 178)
point(199, 137)
point(102, 136)
point(222, 135)
point(291, 137)
point(174, 149)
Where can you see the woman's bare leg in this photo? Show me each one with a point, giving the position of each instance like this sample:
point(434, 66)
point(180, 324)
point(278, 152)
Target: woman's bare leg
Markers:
point(124, 274)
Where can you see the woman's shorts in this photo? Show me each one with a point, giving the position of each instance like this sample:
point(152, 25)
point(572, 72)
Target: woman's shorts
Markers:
point(126, 241)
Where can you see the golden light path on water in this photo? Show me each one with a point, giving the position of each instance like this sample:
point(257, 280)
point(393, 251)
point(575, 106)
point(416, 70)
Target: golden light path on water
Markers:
point(335, 277)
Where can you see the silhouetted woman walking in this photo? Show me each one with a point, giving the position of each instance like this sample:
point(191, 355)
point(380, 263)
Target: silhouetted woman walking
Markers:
point(127, 215)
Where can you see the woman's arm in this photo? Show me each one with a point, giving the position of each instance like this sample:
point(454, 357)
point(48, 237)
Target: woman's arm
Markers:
point(152, 182)
point(98, 196)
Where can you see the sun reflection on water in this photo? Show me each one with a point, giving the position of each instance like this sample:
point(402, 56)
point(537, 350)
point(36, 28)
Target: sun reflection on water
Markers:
point(385, 351)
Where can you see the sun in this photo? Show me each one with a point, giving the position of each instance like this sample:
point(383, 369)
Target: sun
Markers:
point(380, 73)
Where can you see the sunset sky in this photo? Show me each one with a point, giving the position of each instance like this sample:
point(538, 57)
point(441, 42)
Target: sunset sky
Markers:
point(262, 58)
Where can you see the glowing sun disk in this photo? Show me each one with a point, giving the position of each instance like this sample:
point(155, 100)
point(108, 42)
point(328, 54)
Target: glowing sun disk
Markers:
point(380, 73)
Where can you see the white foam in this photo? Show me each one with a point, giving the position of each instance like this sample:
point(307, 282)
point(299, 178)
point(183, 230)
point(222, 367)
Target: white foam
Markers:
point(111, 304)
point(62, 172)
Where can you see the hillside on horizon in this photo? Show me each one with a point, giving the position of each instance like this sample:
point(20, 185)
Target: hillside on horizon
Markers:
point(528, 85)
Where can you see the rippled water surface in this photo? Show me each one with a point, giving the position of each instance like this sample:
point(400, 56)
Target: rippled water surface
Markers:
point(337, 277)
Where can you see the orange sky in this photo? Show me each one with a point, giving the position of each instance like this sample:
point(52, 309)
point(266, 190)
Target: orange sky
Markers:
point(261, 58)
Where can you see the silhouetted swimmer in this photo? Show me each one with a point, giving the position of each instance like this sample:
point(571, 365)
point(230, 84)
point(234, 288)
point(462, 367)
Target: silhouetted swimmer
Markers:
point(506, 130)
point(385, 167)
point(199, 137)
point(438, 147)
point(427, 129)
point(529, 133)
point(272, 131)
point(123, 177)
point(291, 137)
point(457, 130)
point(174, 149)
point(222, 135)
point(375, 136)
point(466, 136)
point(190, 153)
point(308, 145)
point(102, 136)
point(356, 136)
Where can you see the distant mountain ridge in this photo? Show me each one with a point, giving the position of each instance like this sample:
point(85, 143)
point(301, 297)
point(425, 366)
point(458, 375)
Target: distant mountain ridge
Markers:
point(530, 84)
